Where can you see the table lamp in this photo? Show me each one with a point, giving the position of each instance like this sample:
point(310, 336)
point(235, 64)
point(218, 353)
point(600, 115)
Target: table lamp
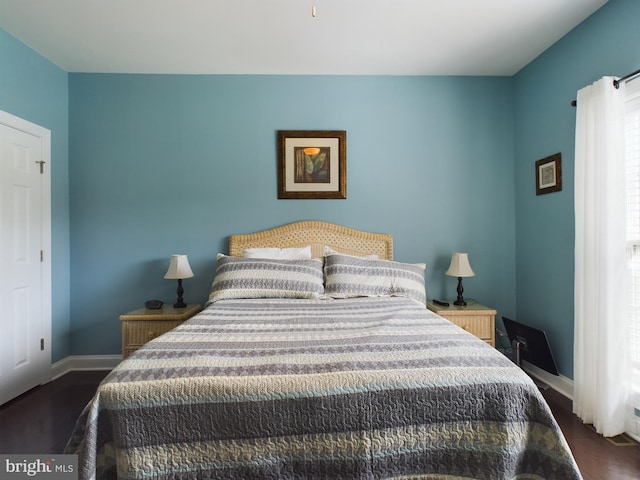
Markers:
point(460, 267)
point(178, 269)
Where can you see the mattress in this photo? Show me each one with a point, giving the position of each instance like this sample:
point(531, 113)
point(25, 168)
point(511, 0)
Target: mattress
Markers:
point(360, 388)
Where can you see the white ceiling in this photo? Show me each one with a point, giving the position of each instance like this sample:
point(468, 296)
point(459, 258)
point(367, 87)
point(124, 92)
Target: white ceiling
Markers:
point(350, 37)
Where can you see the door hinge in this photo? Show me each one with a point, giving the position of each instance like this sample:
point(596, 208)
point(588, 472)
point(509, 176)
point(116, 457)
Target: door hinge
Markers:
point(42, 255)
point(41, 162)
point(42, 344)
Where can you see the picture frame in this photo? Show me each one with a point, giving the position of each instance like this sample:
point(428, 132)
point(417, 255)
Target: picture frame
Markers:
point(549, 174)
point(312, 164)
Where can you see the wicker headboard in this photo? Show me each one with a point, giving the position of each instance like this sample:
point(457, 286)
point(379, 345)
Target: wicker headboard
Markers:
point(317, 234)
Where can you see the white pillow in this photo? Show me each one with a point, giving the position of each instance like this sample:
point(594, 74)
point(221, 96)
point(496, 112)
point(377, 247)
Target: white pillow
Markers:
point(331, 251)
point(302, 253)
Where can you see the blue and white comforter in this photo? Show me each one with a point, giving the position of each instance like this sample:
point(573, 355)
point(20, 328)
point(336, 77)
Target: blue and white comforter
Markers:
point(319, 389)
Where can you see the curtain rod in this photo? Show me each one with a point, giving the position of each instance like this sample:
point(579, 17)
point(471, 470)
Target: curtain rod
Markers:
point(616, 83)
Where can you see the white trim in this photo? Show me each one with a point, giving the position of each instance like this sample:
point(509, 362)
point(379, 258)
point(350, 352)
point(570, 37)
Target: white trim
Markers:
point(23, 125)
point(84, 362)
point(559, 383)
point(44, 134)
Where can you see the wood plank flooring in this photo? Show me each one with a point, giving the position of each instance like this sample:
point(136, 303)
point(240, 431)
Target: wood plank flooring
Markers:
point(41, 420)
point(597, 457)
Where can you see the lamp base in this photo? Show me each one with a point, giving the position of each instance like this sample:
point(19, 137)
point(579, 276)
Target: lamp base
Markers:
point(460, 301)
point(180, 303)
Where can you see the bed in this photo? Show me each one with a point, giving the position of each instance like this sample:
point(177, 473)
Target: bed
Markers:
point(328, 367)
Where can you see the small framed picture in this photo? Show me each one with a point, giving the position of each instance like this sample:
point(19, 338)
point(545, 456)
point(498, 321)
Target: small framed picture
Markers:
point(549, 174)
point(312, 164)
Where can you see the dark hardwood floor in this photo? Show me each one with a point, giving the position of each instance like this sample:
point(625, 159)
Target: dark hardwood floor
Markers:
point(597, 457)
point(41, 420)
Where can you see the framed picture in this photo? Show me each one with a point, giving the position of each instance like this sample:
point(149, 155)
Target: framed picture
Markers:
point(549, 174)
point(312, 164)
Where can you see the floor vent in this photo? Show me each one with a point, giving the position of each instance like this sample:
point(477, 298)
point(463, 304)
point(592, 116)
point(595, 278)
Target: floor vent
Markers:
point(621, 440)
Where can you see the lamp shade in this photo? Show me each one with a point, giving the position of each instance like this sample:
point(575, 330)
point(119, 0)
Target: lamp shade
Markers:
point(179, 268)
point(460, 266)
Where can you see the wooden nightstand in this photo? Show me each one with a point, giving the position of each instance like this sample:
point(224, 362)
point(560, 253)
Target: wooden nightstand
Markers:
point(474, 318)
point(143, 324)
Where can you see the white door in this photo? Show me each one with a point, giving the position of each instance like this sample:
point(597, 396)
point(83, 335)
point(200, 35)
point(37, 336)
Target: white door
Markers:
point(25, 309)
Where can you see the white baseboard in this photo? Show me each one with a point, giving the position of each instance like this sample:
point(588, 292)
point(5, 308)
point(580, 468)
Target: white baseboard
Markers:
point(559, 383)
point(84, 362)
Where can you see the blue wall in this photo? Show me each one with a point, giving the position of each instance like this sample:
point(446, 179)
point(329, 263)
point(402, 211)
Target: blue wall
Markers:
point(167, 164)
point(604, 44)
point(163, 164)
point(33, 88)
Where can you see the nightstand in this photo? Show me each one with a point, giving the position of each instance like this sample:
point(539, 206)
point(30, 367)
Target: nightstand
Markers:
point(143, 324)
point(474, 318)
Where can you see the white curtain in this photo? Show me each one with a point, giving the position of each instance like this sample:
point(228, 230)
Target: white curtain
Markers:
point(601, 274)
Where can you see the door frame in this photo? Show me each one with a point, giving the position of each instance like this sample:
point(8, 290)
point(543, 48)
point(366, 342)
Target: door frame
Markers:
point(44, 134)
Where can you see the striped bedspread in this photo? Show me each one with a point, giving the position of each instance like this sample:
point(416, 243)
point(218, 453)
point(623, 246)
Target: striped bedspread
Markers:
point(319, 389)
